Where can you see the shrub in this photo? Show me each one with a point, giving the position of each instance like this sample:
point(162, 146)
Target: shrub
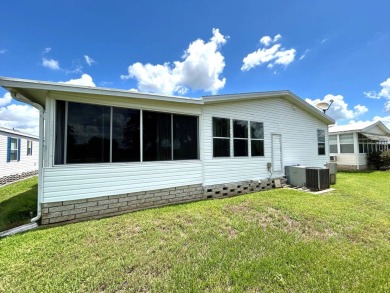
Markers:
point(374, 160)
point(386, 158)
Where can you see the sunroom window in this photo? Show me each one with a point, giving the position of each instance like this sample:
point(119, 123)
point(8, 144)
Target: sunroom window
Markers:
point(87, 133)
point(346, 143)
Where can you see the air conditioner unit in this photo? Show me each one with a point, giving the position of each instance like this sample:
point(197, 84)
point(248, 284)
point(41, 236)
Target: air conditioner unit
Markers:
point(333, 158)
point(317, 178)
point(296, 175)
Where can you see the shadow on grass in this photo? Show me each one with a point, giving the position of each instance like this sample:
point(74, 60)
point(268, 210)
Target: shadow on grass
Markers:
point(17, 210)
point(359, 171)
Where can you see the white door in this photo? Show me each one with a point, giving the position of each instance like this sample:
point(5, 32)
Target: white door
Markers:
point(276, 152)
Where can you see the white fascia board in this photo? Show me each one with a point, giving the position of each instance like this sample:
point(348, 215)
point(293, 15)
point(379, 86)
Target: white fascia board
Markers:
point(291, 97)
point(15, 132)
point(379, 124)
point(15, 84)
point(342, 129)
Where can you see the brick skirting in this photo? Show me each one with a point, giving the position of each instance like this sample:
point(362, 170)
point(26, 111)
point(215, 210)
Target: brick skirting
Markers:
point(99, 207)
point(16, 177)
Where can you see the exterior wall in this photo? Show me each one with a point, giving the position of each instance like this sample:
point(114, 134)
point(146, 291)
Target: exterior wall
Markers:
point(80, 191)
point(299, 139)
point(73, 182)
point(79, 181)
point(26, 166)
point(375, 130)
point(345, 159)
point(351, 167)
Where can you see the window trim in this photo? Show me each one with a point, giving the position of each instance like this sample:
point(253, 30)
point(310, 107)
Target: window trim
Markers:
point(221, 137)
point(29, 149)
point(336, 144)
point(10, 150)
point(141, 129)
point(341, 144)
point(255, 139)
point(241, 138)
point(321, 143)
point(231, 138)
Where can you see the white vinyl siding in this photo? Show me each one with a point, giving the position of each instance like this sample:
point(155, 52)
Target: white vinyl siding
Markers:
point(69, 182)
point(297, 128)
point(25, 164)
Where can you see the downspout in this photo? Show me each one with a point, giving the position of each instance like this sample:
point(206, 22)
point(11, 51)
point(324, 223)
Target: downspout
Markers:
point(23, 99)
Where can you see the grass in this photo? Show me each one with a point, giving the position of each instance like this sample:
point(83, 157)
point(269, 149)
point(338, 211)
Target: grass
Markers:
point(279, 240)
point(17, 201)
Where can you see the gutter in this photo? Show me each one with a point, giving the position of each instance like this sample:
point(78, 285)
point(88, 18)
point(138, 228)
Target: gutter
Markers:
point(23, 99)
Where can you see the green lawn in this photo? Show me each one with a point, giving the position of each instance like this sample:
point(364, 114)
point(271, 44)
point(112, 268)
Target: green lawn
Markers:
point(279, 240)
point(17, 201)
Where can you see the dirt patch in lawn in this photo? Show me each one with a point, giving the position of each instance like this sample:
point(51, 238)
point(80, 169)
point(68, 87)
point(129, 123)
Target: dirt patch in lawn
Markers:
point(277, 219)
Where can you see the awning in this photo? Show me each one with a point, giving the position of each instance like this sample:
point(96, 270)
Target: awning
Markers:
point(377, 137)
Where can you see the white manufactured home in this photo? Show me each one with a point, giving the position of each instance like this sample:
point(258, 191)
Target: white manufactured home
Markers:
point(109, 151)
point(349, 144)
point(18, 155)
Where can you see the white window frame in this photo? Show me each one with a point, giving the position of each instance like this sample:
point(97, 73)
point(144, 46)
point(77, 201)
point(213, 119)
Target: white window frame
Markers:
point(29, 147)
point(14, 150)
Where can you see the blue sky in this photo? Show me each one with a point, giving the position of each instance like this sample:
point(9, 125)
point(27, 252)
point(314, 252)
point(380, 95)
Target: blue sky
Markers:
point(320, 50)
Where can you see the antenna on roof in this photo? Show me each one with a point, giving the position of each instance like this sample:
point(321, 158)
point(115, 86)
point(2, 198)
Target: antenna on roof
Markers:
point(324, 106)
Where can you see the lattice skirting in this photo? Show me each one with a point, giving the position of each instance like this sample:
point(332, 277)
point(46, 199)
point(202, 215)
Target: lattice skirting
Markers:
point(242, 187)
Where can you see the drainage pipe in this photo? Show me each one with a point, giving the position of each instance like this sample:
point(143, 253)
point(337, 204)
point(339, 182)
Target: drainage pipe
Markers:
point(23, 99)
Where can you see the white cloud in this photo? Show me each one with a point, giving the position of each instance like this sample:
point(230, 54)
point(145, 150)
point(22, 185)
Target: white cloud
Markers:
point(384, 93)
point(89, 60)
point(275, 55)
point(266, 40)
point(304, 54)
point(3, 51)
point(200, 69)
point(385, 120)
point(339, 109)
point(77, 68)
point(46, 50)
point(24, 117)
point(5, 100)
point(51, 63)
point(85, 80)
point(20, 117)
point(387, 106)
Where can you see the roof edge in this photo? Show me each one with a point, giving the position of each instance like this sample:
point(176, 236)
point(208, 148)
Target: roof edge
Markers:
point(17, 132)
point(8, 82)
point(290, 96)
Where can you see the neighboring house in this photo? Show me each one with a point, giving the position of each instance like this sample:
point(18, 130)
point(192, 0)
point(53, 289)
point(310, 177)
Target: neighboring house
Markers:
point(18, 155)
point(349, 144)
point(108, 151)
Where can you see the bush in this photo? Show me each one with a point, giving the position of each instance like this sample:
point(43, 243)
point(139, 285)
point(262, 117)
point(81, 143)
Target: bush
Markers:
point(374, 160)
point(386, 158)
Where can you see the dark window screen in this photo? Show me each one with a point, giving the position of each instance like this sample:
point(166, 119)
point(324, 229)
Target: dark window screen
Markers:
point(125, 135)
point(157, 136)
point(88, 133)
point(185, 137)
